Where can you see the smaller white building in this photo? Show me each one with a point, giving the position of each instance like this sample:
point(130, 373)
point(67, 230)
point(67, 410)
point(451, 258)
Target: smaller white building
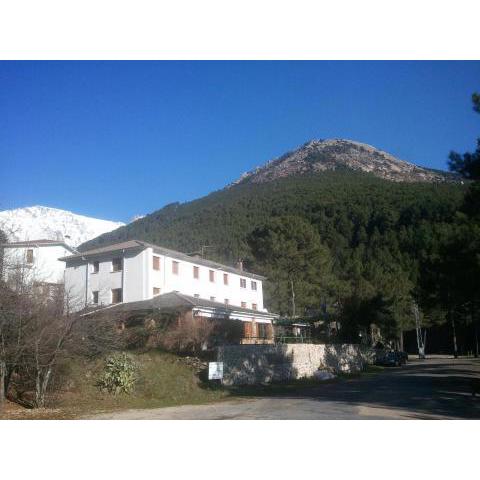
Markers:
point(34, 261)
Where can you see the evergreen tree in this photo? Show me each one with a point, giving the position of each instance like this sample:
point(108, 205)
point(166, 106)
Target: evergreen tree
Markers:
point(288, 250)
point(451, 275)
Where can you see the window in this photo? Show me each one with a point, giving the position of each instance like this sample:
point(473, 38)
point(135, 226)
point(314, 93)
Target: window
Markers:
point(226, 301)
point(253, 285)
point(196, 295)
point(254, 306)
point(174, 267)
point(30, 255)
point(262, 330)
point(244, 304)
point(95, 296)
point(212, 299)
point(95, 266)
point(117, 265)
point(196, 272)
point(156, 262)
point(211, 274)
point(243, 283)
point(156, 291)
point(116, 295)
point(225, 278)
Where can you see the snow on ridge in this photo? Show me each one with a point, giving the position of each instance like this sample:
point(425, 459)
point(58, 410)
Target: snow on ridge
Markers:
point(38, 223)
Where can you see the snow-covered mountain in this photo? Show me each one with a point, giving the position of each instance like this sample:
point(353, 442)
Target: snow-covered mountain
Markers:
point(36, 223)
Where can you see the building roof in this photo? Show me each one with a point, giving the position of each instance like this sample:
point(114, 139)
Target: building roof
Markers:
point(132, 244)
point(175, 301)
point(37, 243)
point(116, 247)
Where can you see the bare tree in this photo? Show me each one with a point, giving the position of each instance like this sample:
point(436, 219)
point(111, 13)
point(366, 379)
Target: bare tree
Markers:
point(46, 343)
point(15, 320)
point(41, 326)
point(421, 338)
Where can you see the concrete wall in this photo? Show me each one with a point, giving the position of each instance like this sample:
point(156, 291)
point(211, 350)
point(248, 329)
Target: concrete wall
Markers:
point(249, 364)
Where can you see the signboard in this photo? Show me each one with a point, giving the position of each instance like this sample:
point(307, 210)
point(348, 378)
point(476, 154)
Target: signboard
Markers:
point(215, 370)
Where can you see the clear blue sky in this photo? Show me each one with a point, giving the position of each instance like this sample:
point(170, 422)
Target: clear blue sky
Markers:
point(117, 139)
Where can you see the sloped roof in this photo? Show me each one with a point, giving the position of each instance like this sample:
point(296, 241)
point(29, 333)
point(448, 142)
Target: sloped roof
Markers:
point(108, 248)
point(37, 243)
point(175, 301)
point(131, 244)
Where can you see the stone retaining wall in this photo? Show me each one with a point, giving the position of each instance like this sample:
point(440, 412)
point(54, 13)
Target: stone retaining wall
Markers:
point(250, 364)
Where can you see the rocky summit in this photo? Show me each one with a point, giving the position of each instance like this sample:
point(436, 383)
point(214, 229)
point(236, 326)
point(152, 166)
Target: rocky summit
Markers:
point(338, 154)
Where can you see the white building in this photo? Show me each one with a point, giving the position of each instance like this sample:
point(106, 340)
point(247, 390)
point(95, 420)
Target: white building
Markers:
point(138, 275)
point(34, 261)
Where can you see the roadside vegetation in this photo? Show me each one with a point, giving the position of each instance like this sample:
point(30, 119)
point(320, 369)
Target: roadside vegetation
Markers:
point(162, 379)
point(54, 363)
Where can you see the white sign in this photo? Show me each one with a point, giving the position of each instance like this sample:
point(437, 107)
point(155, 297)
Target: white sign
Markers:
point(215, 370)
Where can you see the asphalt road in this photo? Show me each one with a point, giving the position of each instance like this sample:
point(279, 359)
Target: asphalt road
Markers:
point(438, 388)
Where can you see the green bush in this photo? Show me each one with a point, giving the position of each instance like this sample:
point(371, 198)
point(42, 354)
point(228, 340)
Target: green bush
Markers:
point(119, 375)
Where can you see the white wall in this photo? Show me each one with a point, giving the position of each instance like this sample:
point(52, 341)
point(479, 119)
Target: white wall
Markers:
point(76, 284)
point(185, 283)
point(135, 283)
point(45, 268)
point(81, 281)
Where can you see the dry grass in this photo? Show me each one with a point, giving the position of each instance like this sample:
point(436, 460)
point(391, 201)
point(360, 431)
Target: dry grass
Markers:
point(164, 380)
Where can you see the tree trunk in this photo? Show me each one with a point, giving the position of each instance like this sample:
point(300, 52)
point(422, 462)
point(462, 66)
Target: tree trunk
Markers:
point(475, 329)
point(43, 377)
point(8, 375)
point(476, 341)
point(293, 299)
point(400, 341)
point(420, 339)
point(454, 334)
point(3, 393)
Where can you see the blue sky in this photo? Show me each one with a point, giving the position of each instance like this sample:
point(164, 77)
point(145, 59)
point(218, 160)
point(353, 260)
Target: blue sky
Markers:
point(117, 139)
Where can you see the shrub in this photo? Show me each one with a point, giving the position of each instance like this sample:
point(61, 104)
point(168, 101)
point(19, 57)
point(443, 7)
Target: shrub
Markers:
point(120, 374)
point(189, 335)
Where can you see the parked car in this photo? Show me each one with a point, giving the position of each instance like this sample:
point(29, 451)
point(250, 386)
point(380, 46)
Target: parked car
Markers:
point(391, 358)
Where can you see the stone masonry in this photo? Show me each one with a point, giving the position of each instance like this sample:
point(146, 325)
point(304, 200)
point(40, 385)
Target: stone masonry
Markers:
point(250, 364)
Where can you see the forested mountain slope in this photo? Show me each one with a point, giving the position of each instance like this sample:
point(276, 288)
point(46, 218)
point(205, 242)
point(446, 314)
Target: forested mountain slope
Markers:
point(352, 232)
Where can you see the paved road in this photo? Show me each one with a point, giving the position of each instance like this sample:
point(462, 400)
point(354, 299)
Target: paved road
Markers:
point(430, 389)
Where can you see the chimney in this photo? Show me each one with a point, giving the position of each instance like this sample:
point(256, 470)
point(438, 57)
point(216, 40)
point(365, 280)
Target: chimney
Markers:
point(239, 265)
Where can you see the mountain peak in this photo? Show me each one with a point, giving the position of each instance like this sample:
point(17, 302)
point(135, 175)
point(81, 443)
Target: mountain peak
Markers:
point(319, 155)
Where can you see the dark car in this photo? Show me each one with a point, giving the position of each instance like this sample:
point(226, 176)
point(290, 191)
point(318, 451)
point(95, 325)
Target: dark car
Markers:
point(391, 358)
